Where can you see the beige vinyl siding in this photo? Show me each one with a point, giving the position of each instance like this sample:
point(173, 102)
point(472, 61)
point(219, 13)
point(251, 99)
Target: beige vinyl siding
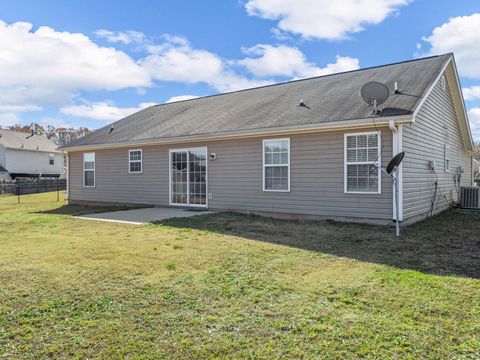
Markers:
point(235, 178)
point(436, 125)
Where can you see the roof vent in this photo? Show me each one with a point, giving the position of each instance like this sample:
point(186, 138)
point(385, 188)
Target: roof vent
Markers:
point(302, 104)
point(111, 129)
point(396, 89)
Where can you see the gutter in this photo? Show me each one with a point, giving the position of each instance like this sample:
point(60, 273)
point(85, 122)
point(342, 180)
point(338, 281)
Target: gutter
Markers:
point(241, 134)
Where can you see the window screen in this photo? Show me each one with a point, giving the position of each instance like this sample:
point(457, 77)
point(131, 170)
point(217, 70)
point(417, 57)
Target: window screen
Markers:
point(362, 154)
point(276, 162)
point(135, 161)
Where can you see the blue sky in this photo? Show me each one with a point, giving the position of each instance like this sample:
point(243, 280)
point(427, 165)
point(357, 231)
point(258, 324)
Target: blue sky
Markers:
point(88, 63)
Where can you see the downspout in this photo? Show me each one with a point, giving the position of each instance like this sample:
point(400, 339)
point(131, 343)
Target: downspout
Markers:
point(397, 146)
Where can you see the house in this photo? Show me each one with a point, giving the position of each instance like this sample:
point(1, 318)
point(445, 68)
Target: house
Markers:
point(476, 171)
point(476, 166)
point(305, 147)
point(28, 155)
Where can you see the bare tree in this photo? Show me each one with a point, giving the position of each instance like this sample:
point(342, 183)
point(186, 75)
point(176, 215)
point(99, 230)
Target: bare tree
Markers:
point(59, 136)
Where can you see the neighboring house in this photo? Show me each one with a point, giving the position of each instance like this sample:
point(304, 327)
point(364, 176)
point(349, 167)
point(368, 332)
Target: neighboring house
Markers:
point(4, 174)
point(28, 155)
point(305, 147)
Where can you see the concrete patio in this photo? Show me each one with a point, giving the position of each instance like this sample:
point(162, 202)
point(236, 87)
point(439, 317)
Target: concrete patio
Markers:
point(144, 215)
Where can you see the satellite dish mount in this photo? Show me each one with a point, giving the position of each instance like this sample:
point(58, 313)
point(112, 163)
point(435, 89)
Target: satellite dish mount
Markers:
point(392, 170)
point(374, 94)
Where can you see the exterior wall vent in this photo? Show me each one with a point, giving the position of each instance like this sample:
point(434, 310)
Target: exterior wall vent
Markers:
point(470, 197)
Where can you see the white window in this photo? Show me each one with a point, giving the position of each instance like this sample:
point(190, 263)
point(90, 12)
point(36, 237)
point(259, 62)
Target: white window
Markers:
point(89, 169)
point(446, 158)
point(362, 154)
point(276, 165)
point(51, 159)
point(135, 161)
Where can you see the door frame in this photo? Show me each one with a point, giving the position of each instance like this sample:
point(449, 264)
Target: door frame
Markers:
point(170, 151)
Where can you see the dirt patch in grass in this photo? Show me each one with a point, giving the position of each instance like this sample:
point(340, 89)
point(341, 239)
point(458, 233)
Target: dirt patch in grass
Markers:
point(448, 244)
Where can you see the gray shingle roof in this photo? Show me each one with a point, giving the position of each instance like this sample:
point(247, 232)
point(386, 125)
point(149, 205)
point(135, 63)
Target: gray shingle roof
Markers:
point(23, 140)
point(330, 98)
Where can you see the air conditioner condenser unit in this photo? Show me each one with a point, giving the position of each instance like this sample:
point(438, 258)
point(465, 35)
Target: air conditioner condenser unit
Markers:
point(470, 197)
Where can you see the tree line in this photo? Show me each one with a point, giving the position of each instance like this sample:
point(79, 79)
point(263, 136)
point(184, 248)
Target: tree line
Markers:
point(59, 136)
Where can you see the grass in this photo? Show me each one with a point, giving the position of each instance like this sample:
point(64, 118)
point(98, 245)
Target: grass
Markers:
point(234, 286)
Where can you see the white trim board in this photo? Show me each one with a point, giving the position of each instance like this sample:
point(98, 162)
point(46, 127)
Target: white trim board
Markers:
point(187, 150)
point(273, 165)
point(451, 74)
point(94, 169)
point(379, 161)
point(135, 161)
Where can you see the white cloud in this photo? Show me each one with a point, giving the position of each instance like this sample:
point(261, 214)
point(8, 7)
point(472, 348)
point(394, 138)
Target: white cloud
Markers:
point(8, 119)
point(176, 60)
point(124, 37)
point(19, 108)
point(474, 117)
point(460, 35)
point(324, 19)
point(44, 66)
point(289, 61)
point(180, 98)
point(55, 122)
point(471, 93)
point(32, 97)
point(103, 111)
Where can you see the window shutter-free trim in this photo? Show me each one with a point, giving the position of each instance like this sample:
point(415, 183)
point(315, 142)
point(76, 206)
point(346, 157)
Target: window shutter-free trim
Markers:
point(89, 169)
point(135, 161)
point(362, 154)
point(276, 165)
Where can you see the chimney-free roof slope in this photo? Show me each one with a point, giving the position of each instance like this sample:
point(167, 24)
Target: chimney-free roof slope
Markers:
point(328, 98)
point(25, 141)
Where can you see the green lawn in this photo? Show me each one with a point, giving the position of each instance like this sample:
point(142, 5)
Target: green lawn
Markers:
point(234, 286)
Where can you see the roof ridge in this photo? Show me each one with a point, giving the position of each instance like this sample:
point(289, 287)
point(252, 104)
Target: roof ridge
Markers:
point(304, 79)
point(420, 72)
point(25, 132)
point(15, 131)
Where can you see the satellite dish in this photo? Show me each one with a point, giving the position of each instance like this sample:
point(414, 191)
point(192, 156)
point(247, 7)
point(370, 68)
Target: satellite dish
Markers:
point(374, 94)
point(395, 162)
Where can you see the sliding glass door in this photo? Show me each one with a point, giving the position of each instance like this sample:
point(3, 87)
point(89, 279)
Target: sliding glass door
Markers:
point(188, 177)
